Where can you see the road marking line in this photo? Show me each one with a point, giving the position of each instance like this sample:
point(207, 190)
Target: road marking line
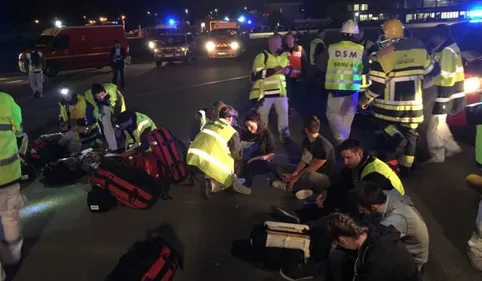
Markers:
point(163, 63)
point(193, 86)
point(14, 81)
point(153, 92)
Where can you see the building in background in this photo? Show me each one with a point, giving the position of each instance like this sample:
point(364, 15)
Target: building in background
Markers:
point(410, 10)
point(284, 12)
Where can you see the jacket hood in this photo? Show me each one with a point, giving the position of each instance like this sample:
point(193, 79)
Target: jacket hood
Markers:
point(395, 199)
point(379, 236)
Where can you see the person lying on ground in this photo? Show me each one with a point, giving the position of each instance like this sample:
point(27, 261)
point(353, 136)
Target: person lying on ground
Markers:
point(315, 171)
point(398, 211)
point(258, 148)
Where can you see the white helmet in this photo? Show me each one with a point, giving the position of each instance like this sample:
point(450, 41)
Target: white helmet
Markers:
point(350, 27)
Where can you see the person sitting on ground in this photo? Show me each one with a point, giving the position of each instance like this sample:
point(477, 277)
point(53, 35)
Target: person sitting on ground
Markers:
point(381, 254)
point(203, 116)
point(132, 129)
point(361, 166)
point(316, 168)
point(213, 154)
point(259, 147)
point(397, 211)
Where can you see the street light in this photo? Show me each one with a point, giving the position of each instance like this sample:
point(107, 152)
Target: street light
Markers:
point(357, 14)
point(84, 17)
point(186, 11)
point(241, 19)
point(216, 10)
point(36, 21)
point(148, 12)
point(245, 8)
point(58, 23)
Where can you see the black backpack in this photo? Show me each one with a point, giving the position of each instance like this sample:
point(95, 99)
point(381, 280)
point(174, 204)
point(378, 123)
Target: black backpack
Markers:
point(100, 200)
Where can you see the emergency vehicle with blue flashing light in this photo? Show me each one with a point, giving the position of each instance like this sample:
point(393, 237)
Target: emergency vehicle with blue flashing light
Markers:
point(468, 36)
point(225, 41)
point(170, 43)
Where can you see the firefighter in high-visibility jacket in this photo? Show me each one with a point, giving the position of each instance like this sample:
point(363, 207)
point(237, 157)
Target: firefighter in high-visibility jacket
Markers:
point(77, 121)
point(213, 153)
point(132, 129)
point(108, 103)
point(203, 116)
point(450, 94)
point(299, 63)
point(317, 46)
point(269, 88)
point(32, 62)
point(343, 64)
point(11, 200)
point(396, 75)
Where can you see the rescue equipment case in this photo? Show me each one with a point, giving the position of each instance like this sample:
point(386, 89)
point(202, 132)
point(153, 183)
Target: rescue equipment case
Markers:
point(149, 260)
point(166, 148)
point(131, 187)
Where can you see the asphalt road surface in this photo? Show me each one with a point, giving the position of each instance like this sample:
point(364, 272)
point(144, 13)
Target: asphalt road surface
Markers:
point(64, 241)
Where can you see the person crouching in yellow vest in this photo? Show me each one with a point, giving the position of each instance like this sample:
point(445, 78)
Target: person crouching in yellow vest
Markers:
point(344, 65)
point(11, 199)
point(77, 122)
point(213, 153)
point(269, 89)
point(108, 104)
point(132, 129)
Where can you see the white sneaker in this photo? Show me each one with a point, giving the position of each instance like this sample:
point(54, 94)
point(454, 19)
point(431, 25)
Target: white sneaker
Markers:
point(241, 188)
point(304, 194)
point(279, 185)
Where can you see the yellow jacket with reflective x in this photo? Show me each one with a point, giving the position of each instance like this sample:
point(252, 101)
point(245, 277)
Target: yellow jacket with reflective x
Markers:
point(210, 152)
point(267, 83)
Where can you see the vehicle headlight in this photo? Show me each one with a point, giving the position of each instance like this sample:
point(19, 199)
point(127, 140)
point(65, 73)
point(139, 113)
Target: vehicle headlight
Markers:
point(472, 85)
point(234, 45)
point(152, 45)
point(210, 46)
point(182, 49)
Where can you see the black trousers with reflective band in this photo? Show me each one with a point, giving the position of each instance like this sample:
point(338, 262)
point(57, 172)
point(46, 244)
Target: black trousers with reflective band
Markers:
point(401, 142)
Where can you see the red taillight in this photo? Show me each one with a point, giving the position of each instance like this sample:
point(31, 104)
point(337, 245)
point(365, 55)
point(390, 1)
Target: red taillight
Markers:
point(466, 75)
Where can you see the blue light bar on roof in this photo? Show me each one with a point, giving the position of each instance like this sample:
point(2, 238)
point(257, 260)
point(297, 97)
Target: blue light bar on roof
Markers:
point(476, 13)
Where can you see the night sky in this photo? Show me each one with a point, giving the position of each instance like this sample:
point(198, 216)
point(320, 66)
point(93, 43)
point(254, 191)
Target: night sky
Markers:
point(135, 10)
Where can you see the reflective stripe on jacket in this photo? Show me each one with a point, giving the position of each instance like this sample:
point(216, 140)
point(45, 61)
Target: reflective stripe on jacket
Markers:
point(269, 86)
point(143, 122)
point(396, 75)
point(450, 81)
point(210, 152)
point(345, 66)
point(10, 127)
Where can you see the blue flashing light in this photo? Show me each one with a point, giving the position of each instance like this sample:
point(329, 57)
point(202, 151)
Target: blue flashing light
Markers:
point(241, 19)
point(476, 13)
point(172, 22)
point(250, 22)
point(226, 19)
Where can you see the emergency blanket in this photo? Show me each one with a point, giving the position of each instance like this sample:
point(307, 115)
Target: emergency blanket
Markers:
point(474, 245)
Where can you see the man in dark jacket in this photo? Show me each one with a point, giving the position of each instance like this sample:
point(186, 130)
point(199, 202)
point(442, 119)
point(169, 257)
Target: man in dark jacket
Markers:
point(381, 254)
point(118, 55)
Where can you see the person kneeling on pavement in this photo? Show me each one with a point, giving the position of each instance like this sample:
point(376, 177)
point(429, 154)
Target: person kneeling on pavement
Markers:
point(258, 147)
point(213, 153)
point(381, 255)
point(317, 167)
point(361, 166)
point(77, 122)
point(132, 129)
point(203, 116)
point(398, 211)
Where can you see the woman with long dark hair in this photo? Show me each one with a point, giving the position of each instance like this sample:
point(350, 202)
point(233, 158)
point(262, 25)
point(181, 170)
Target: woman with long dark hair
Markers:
point(259, 147)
